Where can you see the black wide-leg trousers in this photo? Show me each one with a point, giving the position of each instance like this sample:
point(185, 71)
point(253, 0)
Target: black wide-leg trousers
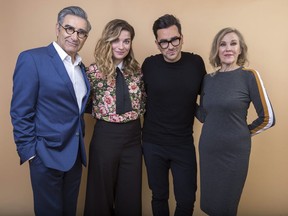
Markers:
point(114, 170)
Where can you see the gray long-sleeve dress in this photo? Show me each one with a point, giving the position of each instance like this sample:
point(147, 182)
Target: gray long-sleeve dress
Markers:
point(225, 141)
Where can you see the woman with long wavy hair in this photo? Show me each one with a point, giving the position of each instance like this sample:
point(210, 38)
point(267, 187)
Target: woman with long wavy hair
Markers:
point(118, 101)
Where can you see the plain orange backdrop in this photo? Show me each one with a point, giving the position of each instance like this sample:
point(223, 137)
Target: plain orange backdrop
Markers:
point(27, 24)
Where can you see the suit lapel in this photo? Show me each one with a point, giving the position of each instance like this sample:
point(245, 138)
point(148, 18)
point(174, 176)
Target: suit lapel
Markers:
point(84, 101)
point(61, 70)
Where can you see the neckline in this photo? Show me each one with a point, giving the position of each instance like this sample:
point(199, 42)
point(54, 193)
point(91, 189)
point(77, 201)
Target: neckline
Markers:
point(231, 71)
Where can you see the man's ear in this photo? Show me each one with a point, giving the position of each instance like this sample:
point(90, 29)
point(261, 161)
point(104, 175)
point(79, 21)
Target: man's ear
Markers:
point(158, 46)
point(57, 29)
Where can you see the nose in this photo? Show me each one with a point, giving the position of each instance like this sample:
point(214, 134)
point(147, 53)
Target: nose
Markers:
point(121, 45)
point(228, 47)
point(170, 46)
point(74, 36)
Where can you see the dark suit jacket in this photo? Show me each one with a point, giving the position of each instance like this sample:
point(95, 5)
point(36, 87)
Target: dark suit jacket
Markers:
point(44, 110)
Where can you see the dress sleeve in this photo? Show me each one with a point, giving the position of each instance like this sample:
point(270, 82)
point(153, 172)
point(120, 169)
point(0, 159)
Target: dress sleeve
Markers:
point(200, 111)
point(261, 102)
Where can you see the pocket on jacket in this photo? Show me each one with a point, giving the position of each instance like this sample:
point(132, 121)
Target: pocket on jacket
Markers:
point(50, 140)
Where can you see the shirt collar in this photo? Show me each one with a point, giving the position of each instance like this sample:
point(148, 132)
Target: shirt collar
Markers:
point(64, 56)
point(120, 65)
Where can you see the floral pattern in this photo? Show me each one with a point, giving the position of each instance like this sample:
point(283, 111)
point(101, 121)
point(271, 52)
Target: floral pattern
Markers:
point(104, 96)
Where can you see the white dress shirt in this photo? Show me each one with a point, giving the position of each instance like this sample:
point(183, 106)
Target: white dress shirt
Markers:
point(74, 72)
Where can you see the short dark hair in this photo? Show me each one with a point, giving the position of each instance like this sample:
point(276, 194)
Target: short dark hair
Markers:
point(166, 21)
point(76, 11)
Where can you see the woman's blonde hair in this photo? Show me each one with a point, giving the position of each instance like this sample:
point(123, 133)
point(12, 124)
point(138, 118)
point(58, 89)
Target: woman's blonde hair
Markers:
point(214, 53)
point(103, 51)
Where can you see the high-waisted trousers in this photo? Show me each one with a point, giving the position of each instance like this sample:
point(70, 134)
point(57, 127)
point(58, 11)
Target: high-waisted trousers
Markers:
point(114, 170)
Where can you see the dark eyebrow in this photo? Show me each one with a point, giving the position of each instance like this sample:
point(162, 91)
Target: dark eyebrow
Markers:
point(165, 40)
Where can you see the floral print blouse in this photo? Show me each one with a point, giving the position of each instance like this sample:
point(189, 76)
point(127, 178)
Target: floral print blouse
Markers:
point(104, 96)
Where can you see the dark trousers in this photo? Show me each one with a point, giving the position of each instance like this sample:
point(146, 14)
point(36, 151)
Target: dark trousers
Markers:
point(114, 170)
point(181, 159)
point(55, 192)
